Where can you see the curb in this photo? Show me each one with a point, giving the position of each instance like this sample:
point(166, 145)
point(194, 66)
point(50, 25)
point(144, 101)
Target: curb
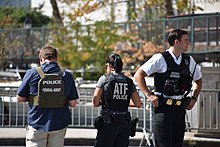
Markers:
point(67, 142)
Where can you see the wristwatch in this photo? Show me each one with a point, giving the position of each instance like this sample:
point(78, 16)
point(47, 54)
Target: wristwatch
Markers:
point(148, 95)
point(194, 98)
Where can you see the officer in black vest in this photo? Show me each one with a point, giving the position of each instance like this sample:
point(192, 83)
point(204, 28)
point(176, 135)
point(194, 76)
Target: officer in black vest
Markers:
point(173, 72)
point(114, 92)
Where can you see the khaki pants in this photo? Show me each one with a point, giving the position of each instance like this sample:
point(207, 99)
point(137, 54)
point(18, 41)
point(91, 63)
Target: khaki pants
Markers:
point(36, 138)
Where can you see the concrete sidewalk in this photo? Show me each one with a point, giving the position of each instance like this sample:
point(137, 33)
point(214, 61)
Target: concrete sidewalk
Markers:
point(74, 136)
point(86, 137)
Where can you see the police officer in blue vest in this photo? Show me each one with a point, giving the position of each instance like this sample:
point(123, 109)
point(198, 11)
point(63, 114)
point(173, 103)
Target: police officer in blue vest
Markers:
point(114, 92)
point(49, 91)
point(173, 72)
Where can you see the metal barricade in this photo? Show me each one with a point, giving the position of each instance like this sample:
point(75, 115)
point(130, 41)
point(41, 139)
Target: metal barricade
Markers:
point(147, 129)
point(204, 117)
point(14, 114)
point(84, 113)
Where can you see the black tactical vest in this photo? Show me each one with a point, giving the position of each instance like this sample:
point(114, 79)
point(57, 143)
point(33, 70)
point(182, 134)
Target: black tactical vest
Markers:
point(176, 80)
point(50, 90)
point(117, 92)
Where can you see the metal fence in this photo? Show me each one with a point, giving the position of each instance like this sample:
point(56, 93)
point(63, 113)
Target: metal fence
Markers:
point(204, 32)
point(203, 117)
point(14, 114)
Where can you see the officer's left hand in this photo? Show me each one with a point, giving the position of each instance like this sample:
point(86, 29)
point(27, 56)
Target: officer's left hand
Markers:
point(191, 104)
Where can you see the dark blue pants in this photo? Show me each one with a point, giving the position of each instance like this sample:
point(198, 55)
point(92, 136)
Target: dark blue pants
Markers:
point(113, 135)
point(169, 126)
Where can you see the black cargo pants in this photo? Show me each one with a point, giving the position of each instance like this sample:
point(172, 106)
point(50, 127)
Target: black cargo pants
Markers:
point(115, 134)
point(169, 126)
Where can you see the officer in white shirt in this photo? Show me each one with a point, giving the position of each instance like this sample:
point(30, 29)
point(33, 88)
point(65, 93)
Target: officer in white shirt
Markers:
point(173, 72)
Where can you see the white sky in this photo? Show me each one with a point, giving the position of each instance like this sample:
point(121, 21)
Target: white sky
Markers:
point(209, 7)
point(47, 9)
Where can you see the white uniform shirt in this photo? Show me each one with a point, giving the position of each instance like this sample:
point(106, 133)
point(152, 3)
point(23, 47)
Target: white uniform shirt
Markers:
point(158, 64)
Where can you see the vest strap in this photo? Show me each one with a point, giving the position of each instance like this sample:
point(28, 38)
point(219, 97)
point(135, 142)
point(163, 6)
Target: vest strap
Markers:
point(41, 73)
point(33, 100)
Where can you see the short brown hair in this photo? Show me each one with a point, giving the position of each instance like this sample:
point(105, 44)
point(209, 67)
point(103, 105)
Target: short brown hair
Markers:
point(176, 34)
point(48, 52)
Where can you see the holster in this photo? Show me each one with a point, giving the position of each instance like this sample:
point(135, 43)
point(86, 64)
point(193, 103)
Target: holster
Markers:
point(133, 126)
point(98, 122)
point(106, 115)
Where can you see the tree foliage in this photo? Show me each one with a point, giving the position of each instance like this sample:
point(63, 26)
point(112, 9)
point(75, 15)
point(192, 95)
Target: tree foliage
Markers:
point(12, 20)
point(186, 7)
point(86, 46)
point(18, 16)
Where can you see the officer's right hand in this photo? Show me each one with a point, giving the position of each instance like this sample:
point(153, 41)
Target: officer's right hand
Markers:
point(154, 100)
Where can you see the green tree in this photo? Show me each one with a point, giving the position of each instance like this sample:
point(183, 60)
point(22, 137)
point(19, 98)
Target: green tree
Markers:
point(11, 26)
point(186, 7)
point(19, 15)
point(85, 47)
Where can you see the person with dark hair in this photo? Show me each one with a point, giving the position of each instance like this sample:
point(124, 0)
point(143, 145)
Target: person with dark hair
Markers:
point(114, 93)
point(49, 91)
point(174, 73)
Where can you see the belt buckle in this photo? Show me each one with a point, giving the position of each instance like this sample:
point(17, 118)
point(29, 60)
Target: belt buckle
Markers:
point(178, 102)
point(169, 102)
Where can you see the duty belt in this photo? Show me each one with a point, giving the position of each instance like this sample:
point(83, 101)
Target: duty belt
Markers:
point(170, 101)
point(174, 102)
point(120, 116)
point(119, 113)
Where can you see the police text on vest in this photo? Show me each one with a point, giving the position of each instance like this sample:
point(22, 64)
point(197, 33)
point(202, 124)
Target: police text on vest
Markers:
point(120, 91)
point(51, 82)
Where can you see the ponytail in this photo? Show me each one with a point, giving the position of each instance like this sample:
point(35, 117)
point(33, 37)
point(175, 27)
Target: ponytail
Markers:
point(115, 61)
